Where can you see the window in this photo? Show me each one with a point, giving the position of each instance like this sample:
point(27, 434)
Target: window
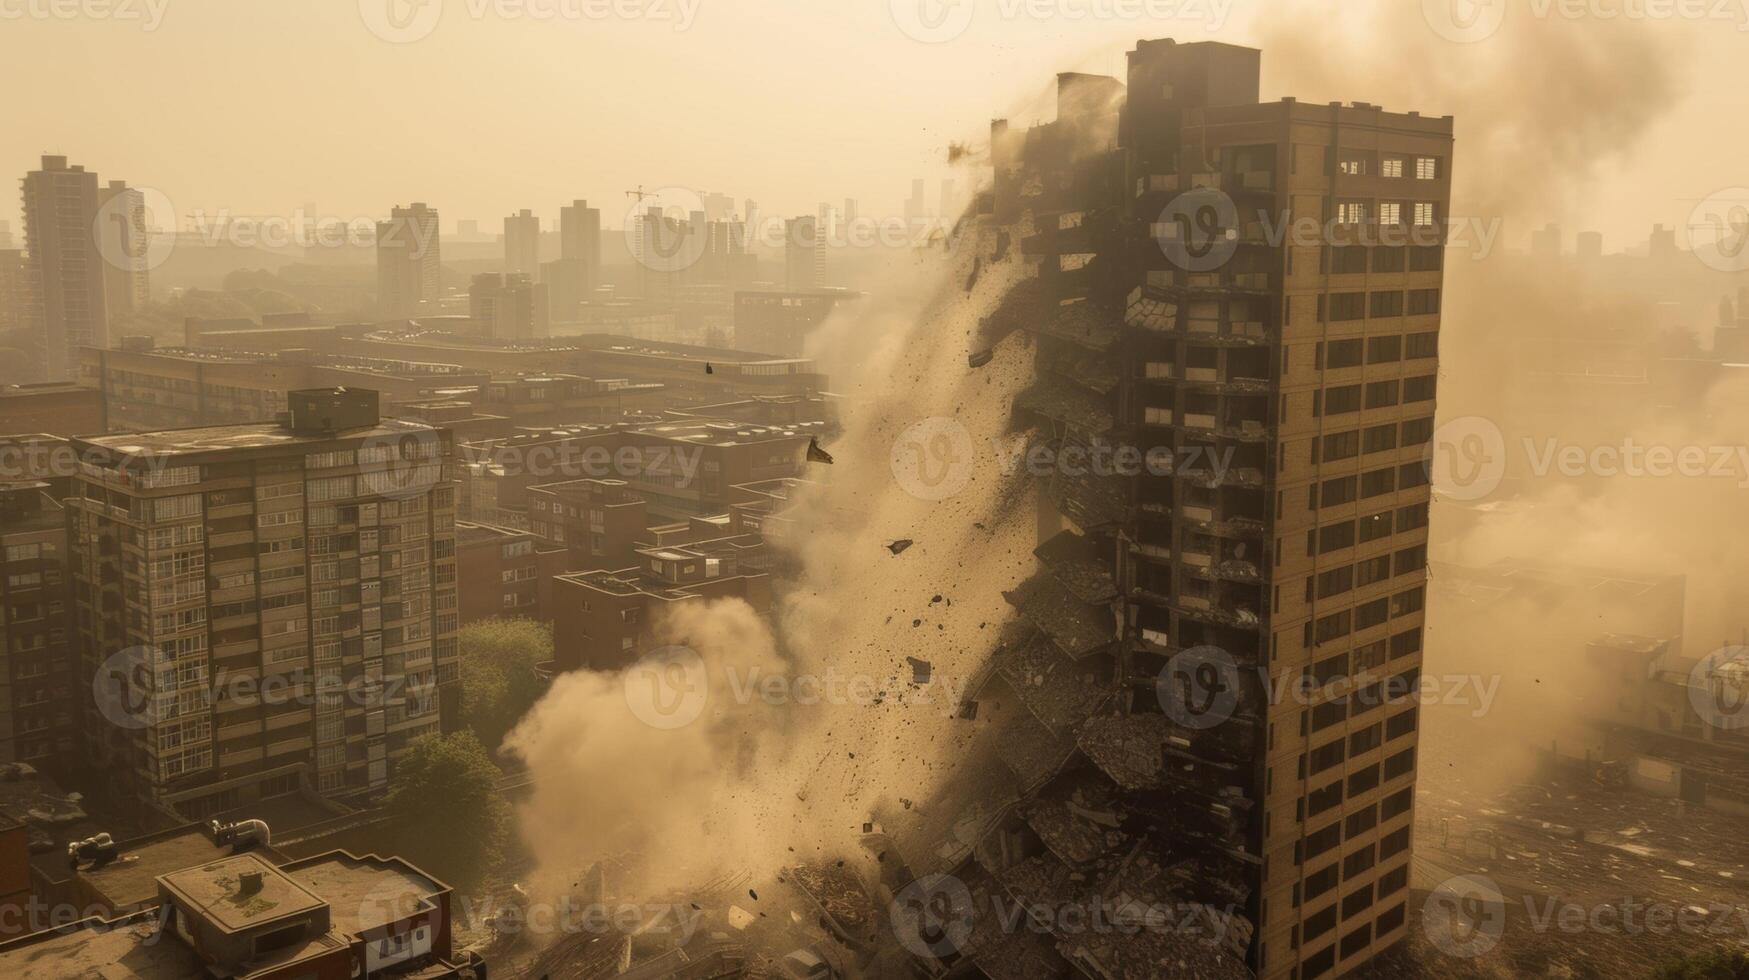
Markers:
point(1341, 445)
point(1411, 517)
point(1401, 724)
point(1379, 439)
point(1332, 626)
point(1396, 804)
point(1390, 213)
point(1335, 492)
point(1373, 570)
point(1419, 389)
point(1335, 537)
point(1339, 401)
point(1357, 901)
point(1365, 741)
point(1417, 431)
point(1347, 306)
point(1426, 168)
point(1423, 302)
point(1354, 167)
point(1402, 762)
point(1391, 167)
point(1381, 394)
point(1406, 603)
point(1388, 258)
point(1405, 643)
point(1394, 843)
point(1426, 258)
point(1374, 526)
point(1423, 214)
point(1346, 259)
point(1422, 345)
point(1411, 559)
point(1387, 304)
point(1411, 475)
point(1341, 353)
point(1378, 482)
point(1351, 213)
point(1336, 581)
point(1370, 614)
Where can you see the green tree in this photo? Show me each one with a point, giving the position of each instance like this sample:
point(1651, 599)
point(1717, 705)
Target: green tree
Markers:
point(1717, 964)
point(448, 814)
point(498, 657)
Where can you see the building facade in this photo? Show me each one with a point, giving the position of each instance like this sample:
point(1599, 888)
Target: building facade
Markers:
point(68, 287)
point(409, 261)
point(273, 604)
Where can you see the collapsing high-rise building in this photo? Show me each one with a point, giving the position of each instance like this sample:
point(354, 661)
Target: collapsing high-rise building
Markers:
point(1236, 307)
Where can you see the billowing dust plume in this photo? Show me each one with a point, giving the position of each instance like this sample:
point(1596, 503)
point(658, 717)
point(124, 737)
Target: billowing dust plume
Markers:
point(804, 733)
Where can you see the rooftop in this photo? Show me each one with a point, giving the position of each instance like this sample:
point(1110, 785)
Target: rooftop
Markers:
point(364, 893)
point(248, 435)
point(219, 892)
point(131, 880)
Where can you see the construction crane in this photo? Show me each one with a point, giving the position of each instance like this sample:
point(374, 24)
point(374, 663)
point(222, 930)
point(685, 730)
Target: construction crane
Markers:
point(639, 194)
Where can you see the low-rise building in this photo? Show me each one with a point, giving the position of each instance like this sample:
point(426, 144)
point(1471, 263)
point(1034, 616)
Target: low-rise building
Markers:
point(60, 407)
point(502, 571)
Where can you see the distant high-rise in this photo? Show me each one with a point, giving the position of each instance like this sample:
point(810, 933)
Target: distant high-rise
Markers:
point(509, 306)
point(15, 292)
point(522, 243)
point(804, 254)
point(67, 286)
point(409, 261)
point(122, 243)
point(1662, 245)
point(572, 279)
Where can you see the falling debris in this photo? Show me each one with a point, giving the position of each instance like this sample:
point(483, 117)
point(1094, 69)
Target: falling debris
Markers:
point(979, 358)
point(900, 545)
point(921, 670)
point(816, 454)
point(708, 369)
point(972, 279)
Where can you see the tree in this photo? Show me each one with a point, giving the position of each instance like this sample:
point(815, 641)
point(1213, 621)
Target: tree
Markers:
point(448, 814)
point(1717, 964)
point(498, 658)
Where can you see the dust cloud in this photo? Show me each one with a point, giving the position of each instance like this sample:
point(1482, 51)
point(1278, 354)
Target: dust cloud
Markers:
point(806, 730)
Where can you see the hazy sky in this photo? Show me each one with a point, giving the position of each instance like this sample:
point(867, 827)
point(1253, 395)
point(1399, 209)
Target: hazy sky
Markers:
point(259, 106)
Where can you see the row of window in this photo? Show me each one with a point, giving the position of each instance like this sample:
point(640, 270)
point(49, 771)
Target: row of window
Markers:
point(1340, 307)
point(1365, 616)
point(1344, 399)
point(1385, 349)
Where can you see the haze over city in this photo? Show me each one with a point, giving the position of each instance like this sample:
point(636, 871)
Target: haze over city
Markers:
point(579, 489)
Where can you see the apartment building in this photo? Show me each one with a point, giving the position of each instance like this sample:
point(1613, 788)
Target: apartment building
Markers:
point(284, 593)
point(598, 522)
point(508, 306)
point(38, 709)
point(248, 912)
point(504, 572)
point(52, 406)
point(180, 387)
point(522, 243)
point(1267, 536)
point(409, 262)
point(68, 287)
point(603, 620)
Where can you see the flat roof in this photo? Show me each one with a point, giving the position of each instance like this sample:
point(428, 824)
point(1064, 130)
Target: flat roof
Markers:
point(249, 435)
point(216, 890)
point(131, 880)
point(98, 950)
point(367, 892)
